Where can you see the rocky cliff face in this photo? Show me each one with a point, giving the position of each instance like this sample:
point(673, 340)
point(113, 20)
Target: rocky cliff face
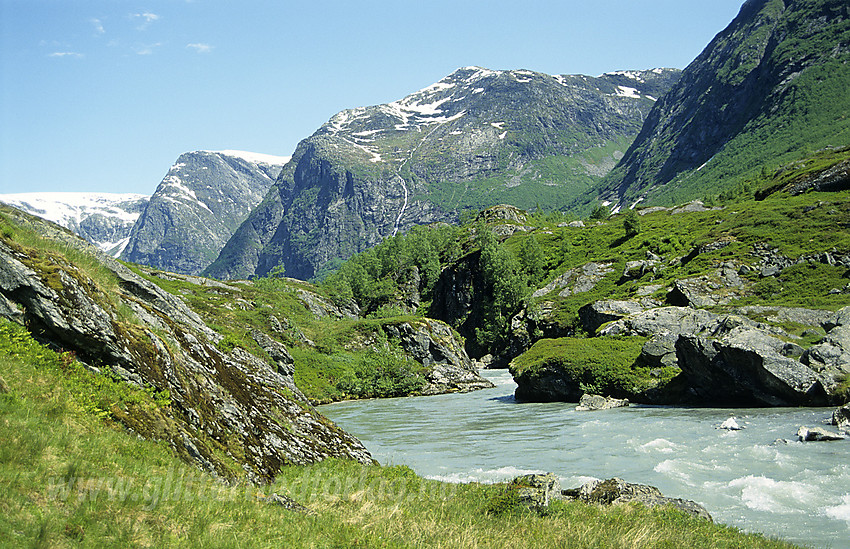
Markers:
point(200, 203)
point(226, 406)
point(104, 219)
point(476, 138)
point(768, 89)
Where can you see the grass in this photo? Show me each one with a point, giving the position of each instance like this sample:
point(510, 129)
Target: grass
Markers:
point(71, 479)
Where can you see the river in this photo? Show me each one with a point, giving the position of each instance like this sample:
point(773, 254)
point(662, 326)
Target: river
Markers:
point(797, 491)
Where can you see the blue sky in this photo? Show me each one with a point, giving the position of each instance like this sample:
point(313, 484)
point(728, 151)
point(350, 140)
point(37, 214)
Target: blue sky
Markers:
point(104, 95)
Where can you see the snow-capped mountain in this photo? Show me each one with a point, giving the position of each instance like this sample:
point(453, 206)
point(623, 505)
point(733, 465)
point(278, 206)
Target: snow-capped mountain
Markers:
point(476, 138)
point(202, 199)
point(104, 219)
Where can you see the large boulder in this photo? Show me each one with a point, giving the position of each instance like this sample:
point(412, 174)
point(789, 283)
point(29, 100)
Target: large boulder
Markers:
point(746, 366)
point(593, 315)
point(841, 418)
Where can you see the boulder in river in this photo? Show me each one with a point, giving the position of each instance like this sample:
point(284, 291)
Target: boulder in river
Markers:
point(816, 434)
point(590, 403)
point(841, 418)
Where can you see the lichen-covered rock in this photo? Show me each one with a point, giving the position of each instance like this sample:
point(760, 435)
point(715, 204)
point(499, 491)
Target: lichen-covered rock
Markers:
point(222, 403)
point(537, 490)
point(615, 491)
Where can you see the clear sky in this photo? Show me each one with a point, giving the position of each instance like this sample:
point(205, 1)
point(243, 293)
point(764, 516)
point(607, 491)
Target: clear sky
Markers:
point(104, 95)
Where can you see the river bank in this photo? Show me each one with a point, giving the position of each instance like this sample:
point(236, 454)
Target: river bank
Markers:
point(796, 491)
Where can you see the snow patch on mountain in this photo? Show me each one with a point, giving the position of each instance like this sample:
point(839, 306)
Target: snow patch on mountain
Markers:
point(257, 158)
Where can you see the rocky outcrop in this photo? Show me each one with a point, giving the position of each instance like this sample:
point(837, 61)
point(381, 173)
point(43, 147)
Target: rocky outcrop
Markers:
point(831, 356)
point(433, 344)
point(224, 405)
point(722, 358)
point(575, 281)
point(196, 208)
point(591, 403)
point(594, 315)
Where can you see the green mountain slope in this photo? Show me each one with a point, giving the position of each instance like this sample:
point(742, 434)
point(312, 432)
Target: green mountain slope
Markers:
point(769, 89)
point(475, 139)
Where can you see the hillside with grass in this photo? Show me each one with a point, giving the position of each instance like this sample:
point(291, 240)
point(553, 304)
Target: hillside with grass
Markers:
point(768, 90)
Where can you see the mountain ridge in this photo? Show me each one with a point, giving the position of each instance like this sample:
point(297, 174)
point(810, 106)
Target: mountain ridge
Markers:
point(477, 137)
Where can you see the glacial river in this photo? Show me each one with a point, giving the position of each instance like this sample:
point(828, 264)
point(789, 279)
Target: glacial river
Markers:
point(797, 491)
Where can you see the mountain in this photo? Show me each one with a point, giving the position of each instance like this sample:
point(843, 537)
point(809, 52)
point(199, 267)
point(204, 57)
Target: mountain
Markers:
point(769, 89)
point(104, 219)
point(476, 138)
point(200, 202)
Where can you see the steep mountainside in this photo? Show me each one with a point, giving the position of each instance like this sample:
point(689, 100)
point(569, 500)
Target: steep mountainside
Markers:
point(476, 138)
point(200, 203)
point(104, 219)
point(769, 89)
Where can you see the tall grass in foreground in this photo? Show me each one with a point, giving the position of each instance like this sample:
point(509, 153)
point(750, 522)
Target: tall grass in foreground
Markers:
point(70, 479)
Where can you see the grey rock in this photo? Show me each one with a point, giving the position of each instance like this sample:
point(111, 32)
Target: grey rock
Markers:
point(286, 502)
point(617, 491)
point(594, 315)
point(234, 397)
point(590, 403)
point(537, 490)
point(841, 418)
point(798, 315)
point(636, 269)
point(578, 280)
point(433, 344)
point(816, 434)
point(745, 366)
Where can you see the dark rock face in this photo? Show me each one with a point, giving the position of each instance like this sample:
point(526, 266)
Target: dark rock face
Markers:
point(738, 101)
point(233, 401)
point(200, 203)
point(746, 366)
point(372, 172)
